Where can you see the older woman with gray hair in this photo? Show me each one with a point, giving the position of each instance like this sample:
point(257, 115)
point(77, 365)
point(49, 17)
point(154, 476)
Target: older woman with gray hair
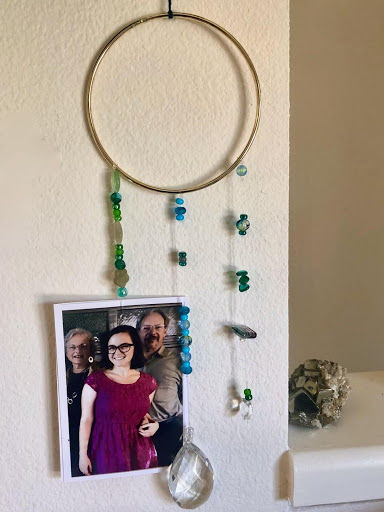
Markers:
point(78, 352)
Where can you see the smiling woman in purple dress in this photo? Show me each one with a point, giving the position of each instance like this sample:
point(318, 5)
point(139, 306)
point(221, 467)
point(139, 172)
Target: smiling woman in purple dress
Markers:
point(115, 427)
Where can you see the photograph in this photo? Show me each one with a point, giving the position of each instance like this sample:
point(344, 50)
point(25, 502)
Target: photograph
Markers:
point(121, 393)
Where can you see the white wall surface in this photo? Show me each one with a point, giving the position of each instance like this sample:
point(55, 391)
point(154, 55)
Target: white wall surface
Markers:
point(170, 100)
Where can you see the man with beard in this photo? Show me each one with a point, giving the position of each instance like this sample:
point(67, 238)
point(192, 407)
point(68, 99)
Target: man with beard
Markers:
point(164, 365)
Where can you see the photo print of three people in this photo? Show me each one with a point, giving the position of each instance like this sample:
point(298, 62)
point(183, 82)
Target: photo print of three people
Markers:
point(120, 386)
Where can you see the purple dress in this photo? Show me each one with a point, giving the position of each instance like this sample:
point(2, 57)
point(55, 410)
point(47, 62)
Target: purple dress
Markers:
point(115, 444)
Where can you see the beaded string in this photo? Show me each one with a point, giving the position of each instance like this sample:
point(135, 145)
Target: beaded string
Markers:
point(242, 226)
point(121, 277)
point(185, 340)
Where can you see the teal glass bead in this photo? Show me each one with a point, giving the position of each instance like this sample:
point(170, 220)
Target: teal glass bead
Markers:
point(184, 310)
point(120, 264)
point(122, 292)
point(182, 254)
point(185, 357)
point(241, 272)
point(243, 287)
point(248, 397)
point(121, 277)
point(186, 368)
point(182, 263)
point(243, 216)
point(183, 317)
point(117, 233)
point(180, 210)
point(179, 217)
point(185, 340)
point(185, 349)
point(185, 332)
point(241, 170)
point(115, 180)
point(115, 198)
point(184, 324)
point(242, 225)
point(243, 279)
point(179, 200)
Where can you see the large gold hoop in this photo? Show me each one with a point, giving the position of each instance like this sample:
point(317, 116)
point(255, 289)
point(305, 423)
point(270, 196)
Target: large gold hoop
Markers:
point(91, 123)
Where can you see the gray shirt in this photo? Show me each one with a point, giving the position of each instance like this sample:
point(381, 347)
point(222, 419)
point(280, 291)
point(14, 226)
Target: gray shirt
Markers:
point(164, 366)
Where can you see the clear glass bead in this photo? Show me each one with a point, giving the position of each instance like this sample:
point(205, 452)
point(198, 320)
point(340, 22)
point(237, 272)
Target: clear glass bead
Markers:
point(191, 477)
point(117, 233)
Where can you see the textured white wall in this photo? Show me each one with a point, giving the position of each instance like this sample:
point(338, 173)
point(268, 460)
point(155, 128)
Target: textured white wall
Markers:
point(177, 117)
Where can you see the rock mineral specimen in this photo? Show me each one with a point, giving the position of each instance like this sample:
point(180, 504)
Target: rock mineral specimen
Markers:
point(317, 392)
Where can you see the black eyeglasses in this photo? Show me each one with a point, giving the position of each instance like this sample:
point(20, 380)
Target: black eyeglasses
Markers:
point(124, 348)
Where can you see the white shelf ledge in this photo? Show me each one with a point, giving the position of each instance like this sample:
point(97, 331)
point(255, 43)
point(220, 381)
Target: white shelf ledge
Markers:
point(342, 462)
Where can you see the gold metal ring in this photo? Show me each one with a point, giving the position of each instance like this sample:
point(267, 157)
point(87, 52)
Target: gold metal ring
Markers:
point(91, 124)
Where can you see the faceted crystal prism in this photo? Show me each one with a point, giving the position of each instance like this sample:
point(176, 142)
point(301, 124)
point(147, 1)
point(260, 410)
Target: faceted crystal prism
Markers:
point(190, 479)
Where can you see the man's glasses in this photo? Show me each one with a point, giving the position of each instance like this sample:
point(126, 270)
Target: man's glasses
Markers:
point(83, 346)
point(154, 328)
point(124, 348)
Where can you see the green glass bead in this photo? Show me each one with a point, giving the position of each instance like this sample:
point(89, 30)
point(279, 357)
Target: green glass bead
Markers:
point(247, 392)
point(121, 277)
point(119, 252)
point(116, 198)
point(241, 272)
point(243, 279)
point(116, 207)
point(248, 397)
point(120, 264)
point(115, 180)
point(117, 233)
point(117, 219)
point(122, 292)
point(243, 287)
point(243, 216)
point(118, 257)
point(118, 246)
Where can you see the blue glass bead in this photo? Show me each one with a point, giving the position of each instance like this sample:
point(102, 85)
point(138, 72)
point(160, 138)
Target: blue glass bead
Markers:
point(185, 332)
point(120, 264)
point(183, 317)
point(184, 310)
point(186, 368)
point(180, 209)
point(122, 292)
point(185, 349)
point(241, 170)
point(185, 357)
point(179, 200)
point(184, 324)
point(185, 340)
point(115, 198)
point(179, 217)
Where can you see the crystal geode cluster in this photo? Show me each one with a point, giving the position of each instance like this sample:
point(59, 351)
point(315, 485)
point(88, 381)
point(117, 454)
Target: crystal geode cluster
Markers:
point(317, 392)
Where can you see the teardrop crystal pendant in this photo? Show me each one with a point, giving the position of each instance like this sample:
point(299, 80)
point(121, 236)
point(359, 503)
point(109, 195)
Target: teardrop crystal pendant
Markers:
point(190, 478)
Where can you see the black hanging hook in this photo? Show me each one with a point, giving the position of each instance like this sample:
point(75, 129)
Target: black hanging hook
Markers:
point(170, 13)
